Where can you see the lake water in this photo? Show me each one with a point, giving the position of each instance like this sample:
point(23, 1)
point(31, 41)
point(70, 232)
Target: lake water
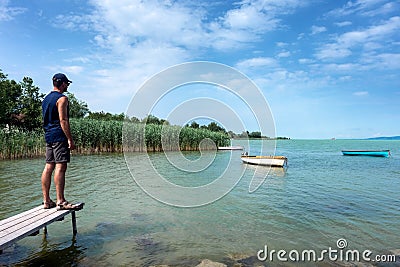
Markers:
point(321, 197)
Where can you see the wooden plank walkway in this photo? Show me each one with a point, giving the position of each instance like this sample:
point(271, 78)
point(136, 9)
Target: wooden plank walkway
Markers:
point(30, 222)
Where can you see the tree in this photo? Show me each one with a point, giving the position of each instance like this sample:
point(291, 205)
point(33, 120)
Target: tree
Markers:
point(151, 119)
point(194, 125)
point(77, 108)
point(244, 134)
point(31, 105)
point(213, 126)
point(119, 117)
point(133, 119)
point(255, 135)
point(10, 94)
point(106, 116)
point(164, 122)
point(232, 134)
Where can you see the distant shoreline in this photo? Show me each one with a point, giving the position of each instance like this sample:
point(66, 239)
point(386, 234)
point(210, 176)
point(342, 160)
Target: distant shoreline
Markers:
point(261, 138)
point(385, 138)
point(393, 138)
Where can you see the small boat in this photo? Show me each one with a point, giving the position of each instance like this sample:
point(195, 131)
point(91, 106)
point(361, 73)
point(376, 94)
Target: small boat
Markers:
point(230, 148)
point(372, 153)
point(273, 161)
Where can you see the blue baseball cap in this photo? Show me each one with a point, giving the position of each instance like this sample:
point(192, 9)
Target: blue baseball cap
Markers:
point(61, 77)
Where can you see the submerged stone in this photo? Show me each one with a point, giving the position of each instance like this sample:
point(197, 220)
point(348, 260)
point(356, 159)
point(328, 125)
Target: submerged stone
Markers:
point(209, 263)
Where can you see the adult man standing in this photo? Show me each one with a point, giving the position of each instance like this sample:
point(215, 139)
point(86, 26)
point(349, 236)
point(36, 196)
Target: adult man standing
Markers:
point(59, 142)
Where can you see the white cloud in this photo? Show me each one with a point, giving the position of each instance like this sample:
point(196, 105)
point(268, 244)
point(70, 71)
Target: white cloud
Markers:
point(384, 61)
point(345, 78)
point(371, 46)
point(284, 54)
point(257, 62)
point(139, 38)
point(378, 32)
point(248, 17)
point(180, 23)
point(343, 23)
point(332, 51)
point(384, 9)
point(249, 21)
point(343, 44)
point(317, 29)
point(343, 67)
point(281, 44)
point(74, 22)
point(362, 7)
point(360, 93)
point(305, 61)
point(81, 59)
point(71, 69)
point(7, 12)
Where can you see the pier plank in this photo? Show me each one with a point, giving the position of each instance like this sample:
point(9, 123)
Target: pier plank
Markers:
point(22, 214)
point(30, 222)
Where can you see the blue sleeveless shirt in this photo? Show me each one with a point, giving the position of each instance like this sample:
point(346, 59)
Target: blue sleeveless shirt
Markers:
point(51, 118)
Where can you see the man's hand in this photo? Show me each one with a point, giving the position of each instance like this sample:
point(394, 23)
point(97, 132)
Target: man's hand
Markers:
point(71, 144)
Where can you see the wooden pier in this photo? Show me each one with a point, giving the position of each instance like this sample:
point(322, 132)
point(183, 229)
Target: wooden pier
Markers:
point(30, 222)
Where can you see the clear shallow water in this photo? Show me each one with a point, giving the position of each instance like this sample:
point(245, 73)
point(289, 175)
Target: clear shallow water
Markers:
point(321, 197)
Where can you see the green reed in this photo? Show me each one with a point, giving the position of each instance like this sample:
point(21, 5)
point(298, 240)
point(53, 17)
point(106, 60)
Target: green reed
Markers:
point(97, 136)
point(93, 136)
point(16, 144)
point(155, 137)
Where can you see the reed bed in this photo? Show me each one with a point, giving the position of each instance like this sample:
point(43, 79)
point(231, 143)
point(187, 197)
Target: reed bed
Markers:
point(98, 136)
point(21, 144)
point(94, 136)
point(156, 137)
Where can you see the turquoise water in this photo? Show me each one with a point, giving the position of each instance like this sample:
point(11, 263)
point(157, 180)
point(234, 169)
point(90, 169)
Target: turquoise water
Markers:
point(322, 196)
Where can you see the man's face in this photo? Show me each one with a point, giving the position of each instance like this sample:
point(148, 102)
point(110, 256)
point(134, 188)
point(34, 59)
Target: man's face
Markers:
point(65, 86)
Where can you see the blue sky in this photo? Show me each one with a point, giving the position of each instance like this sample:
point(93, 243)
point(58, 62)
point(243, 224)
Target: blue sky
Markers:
point(327, 68)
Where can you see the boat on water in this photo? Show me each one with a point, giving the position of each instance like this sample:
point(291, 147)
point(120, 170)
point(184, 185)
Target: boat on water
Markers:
point(372, 153)
point(273, 161)
point(230, 148)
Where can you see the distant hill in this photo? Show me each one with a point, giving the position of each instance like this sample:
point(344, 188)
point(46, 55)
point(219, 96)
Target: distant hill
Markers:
point(385, 138)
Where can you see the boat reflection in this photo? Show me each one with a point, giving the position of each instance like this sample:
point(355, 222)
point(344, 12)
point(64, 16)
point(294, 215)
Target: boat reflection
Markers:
point(264, 171)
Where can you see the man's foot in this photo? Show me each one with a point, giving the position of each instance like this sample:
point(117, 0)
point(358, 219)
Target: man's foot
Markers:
point(69, 206)
point(49, 205)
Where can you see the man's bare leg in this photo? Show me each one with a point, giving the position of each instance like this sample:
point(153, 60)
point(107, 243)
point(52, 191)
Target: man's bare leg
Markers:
point(46, 181)
point(59, 180)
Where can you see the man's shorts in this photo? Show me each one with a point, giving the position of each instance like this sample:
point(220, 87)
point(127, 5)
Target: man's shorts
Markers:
point(57, 152)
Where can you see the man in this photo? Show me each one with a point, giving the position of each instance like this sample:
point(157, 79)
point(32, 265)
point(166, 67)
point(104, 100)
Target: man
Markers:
point(59, 142)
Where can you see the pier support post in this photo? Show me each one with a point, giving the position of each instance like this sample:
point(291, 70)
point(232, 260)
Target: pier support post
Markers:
point(74, 229)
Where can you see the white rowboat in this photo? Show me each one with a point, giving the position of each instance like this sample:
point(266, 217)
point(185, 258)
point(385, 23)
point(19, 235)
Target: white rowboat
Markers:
point(230, 148)
point(274, 161)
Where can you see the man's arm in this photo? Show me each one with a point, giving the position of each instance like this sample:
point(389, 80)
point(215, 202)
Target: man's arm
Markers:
point(62, 105)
